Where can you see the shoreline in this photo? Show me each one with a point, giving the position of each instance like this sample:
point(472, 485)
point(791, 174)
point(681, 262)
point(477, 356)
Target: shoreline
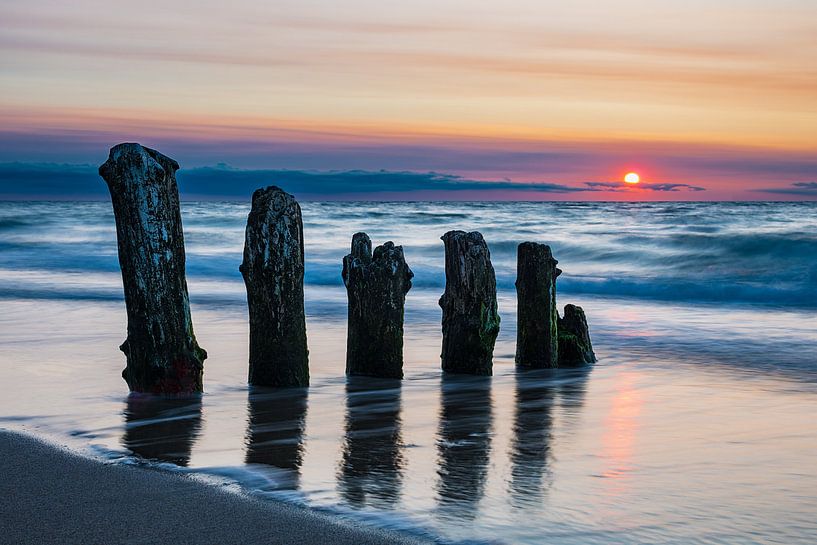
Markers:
point(51, 495)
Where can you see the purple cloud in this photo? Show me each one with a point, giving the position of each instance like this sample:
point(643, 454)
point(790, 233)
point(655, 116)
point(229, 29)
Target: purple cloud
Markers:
point(806, 189)
point(60, 181)
point(621, 186)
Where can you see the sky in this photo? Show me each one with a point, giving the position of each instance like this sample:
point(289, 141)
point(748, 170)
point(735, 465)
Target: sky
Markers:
point(512, 99)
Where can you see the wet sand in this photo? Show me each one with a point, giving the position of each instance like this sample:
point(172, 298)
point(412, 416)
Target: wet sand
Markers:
point(49, 495)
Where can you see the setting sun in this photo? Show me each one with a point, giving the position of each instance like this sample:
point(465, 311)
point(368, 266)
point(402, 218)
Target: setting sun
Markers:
point(632, 178)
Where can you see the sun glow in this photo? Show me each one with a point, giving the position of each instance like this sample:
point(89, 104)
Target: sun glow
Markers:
point(632, 178)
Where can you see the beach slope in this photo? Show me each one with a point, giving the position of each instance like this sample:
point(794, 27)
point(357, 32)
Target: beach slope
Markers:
point(50, 496)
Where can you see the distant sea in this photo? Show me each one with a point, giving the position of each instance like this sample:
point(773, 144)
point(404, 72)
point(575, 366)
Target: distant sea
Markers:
point(696, 426)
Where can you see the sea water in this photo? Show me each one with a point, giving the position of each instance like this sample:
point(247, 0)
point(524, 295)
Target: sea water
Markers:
point(697, 425)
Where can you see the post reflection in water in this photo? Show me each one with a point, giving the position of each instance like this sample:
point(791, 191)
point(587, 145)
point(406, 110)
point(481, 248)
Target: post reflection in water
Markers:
point(538, 394)
point(463, 444)
point(371, 469)
point(163, 429)
point(275, 431)
point(532, 436)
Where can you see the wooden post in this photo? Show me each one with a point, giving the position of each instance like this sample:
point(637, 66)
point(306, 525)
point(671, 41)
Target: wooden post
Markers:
point(575, 348)
point(376, 286)
point(273, 270)
point(163, 356)
point(536, 334)
point(470, 319)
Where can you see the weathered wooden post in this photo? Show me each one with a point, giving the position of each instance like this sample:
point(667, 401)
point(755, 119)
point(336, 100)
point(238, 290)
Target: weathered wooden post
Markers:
point(273, 270)
point(536, 334)
point(470, 318)
point(575, 348)
point(163, 356)
point(376, 286)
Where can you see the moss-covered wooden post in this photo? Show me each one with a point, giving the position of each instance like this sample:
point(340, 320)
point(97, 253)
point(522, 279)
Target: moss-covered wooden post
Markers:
point(273, 270)
point(163, 356)
point(376, 285)
point(536, 334)
point(575, 348)
point(470, 318)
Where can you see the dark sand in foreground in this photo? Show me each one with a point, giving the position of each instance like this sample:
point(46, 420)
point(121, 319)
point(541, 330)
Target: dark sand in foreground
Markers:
point(48, 495)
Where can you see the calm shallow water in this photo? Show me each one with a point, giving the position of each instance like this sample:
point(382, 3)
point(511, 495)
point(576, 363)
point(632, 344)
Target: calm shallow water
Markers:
point(698, 425)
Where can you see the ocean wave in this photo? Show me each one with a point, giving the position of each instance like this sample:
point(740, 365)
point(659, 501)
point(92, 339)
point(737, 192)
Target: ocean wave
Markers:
point(720, 252)
point(685, 290)
point(10, 224)
point(676, 290)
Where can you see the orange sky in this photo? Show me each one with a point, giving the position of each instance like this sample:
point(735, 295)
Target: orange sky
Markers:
point(721, 97)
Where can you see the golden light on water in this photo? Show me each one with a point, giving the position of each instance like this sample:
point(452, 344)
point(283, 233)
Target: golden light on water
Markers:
point(632, 178)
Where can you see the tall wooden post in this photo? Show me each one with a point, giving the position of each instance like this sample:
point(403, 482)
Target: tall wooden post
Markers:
point(163, 356)
point(376, 285)
point(273, 271)
point(470, 319)
point(537, 343)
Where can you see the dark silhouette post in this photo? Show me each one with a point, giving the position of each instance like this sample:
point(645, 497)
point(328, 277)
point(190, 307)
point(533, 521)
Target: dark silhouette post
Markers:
point(273, 271)
point(163, 356)
point(376, 286)
point(536, 335)
point(575, 348)
point(470, 318)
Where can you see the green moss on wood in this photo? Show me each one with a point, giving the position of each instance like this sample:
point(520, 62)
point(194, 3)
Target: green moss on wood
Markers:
point(470, 319)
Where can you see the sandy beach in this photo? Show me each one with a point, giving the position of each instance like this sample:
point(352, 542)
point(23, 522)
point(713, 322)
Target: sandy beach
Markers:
point(49, 495)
